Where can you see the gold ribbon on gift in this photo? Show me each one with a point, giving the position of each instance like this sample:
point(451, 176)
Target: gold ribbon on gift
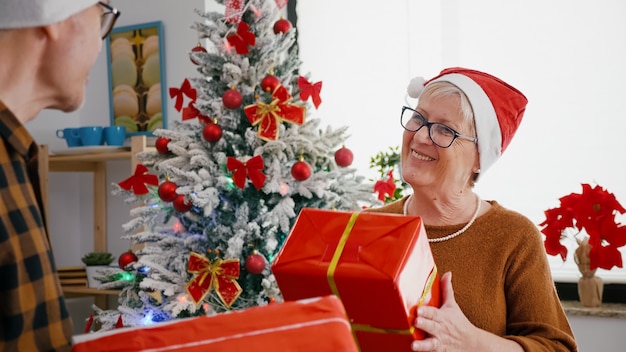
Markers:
point(330, 275)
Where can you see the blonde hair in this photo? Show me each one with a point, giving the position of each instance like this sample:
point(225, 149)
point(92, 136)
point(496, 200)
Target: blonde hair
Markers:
point(438, 90)
point(442, 89)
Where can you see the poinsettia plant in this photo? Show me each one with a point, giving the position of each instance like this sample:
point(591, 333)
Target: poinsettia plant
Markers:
point(593, 211)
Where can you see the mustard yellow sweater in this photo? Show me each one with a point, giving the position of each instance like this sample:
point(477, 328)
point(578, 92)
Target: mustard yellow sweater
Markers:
point(501, 278)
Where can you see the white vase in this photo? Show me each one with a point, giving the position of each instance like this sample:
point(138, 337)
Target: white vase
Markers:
point(93, 272)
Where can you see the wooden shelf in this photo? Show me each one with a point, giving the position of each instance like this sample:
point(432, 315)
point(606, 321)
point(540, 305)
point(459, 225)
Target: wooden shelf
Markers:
point(74, 291)
point(94, 163)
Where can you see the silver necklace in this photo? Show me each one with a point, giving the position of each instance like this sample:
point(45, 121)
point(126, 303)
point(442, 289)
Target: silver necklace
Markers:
point(452, 235)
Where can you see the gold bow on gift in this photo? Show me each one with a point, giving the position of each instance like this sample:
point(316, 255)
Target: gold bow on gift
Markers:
point(222, 275)
point(270, 116)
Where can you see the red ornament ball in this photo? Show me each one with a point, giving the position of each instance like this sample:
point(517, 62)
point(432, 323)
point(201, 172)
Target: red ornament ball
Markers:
point(167, 191)
point(197, 49)
point(255, 263)
point(161, 145)
point(126, 259)
point(269, 83)
point(212, 132)
point(282, 26)
point(301, 170)
point(181, 205)
point(232, 99)
point(344, 157)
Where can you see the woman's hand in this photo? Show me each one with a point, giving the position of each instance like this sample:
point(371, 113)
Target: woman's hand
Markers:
point(447, 328)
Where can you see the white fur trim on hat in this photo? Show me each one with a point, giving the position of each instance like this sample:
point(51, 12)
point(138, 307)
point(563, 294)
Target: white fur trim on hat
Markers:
point(33, 13)
point(485, 118)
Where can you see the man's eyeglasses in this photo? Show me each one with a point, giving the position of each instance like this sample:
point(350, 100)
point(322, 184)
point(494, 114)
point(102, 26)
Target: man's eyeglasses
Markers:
point(109, 16)
point(440, 134)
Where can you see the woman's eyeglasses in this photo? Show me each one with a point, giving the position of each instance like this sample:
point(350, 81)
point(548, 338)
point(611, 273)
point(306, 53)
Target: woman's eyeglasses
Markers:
point(442, 135)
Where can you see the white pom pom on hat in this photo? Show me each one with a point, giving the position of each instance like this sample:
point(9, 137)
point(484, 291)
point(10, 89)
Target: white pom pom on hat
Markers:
point(498, 108)
point(416, 87)
point(34, 13)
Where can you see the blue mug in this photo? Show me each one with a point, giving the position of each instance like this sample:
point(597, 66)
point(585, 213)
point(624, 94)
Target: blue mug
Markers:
point(115, 135)
point(91, 135)
point(71, 136)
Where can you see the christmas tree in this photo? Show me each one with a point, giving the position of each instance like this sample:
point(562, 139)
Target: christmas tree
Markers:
point(227, 182)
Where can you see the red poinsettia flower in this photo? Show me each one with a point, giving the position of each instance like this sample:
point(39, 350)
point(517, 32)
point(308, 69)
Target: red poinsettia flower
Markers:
point(593, 211)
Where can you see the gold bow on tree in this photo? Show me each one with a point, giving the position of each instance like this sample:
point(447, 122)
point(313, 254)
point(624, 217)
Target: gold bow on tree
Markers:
point(270, 116)
point(221, 274)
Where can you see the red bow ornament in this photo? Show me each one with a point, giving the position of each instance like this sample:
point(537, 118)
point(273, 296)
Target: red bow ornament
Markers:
point(221, 275)
point(308, 90)
point(191, 112)
point(387, 187)
point(251, 168)
point(242, 38)
point(270, 116)
point(179, 93)
point(138, 181)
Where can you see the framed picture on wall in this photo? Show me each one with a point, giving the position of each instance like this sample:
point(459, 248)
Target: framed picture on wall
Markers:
point(137, 88)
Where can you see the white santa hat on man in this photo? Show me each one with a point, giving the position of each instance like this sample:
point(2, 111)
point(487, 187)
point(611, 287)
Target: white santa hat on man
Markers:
point(498, 108)
point(34, 13)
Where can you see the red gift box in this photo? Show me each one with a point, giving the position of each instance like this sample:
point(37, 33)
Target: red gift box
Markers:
point(289, 326)
point(380, 265)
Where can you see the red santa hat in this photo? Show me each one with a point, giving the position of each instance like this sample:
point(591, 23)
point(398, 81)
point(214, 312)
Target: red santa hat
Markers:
point(498, 108)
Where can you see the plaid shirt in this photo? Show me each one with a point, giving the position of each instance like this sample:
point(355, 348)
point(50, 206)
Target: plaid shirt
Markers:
point(33, 315)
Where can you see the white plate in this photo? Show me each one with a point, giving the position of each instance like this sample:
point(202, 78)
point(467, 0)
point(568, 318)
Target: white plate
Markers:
point(90, 149)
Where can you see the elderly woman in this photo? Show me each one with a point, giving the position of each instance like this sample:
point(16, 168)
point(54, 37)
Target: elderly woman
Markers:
point(497, 290)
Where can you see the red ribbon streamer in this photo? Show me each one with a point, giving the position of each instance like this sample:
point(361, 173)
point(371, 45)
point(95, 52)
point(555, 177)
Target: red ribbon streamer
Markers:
point(222, 275)
point(178, 94)
point(242, 38)
point(251, 169)
point(89, 323)
point(233, 11)
point(119, 323)
point(138, 181)
point(308, 89)
point(270, 116)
